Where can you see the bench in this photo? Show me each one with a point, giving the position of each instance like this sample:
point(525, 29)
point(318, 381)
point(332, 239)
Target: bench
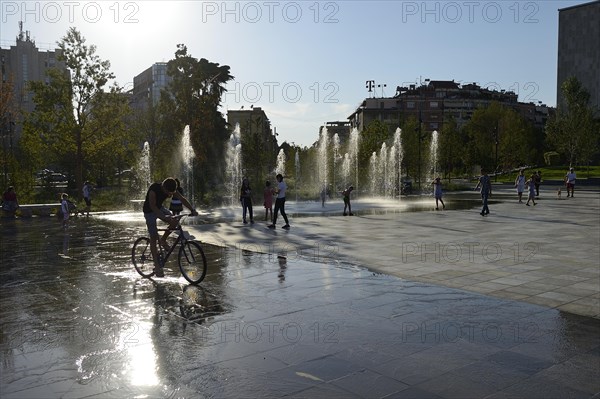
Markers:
point(40, 209)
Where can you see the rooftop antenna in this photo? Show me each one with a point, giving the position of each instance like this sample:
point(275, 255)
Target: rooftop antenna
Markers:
point(20, 37)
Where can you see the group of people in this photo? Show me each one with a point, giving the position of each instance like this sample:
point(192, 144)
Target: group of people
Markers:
point(10, 204)
point(532, 184)
point(67, 207)
point(268, 193)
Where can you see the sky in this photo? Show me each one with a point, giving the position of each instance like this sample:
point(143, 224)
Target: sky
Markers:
point(306, 63)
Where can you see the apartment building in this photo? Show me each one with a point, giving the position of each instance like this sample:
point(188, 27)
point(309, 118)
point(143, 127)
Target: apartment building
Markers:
point(20, 64)
point(434, 101)
point(579, 49)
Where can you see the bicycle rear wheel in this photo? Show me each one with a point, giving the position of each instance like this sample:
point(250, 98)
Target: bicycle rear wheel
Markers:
point(141, 256)
point(192, 262)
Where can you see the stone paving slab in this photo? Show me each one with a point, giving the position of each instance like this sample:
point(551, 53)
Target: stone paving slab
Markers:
point(546, 254)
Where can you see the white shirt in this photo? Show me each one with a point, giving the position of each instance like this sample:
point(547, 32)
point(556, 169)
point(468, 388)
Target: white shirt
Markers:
point(571, 177)
point(282, 187)
point(87, 191)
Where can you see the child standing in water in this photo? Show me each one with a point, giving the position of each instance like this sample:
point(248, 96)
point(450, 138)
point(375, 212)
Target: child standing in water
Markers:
point(437, 193)
point(64, 207)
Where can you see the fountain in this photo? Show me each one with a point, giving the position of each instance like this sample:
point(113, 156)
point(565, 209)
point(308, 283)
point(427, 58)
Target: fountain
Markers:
point(391, 173)
point(322, 160)
point(336, 157)
point(144, 177)
point(373, 173)
point(398, 159)
point(383, 178)
point(281, 159)
point(233, 163)
point(346, 166)
point(433, 156)
point(354, 139)
point(187, 155)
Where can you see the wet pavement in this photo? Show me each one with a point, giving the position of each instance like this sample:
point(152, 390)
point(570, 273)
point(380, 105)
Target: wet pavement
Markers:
point(333, 308)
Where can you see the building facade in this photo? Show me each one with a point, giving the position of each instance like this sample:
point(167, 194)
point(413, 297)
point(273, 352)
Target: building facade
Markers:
point(341, 128)
point(21, 64)
point(435, 101)
point(148, 85)
point(579, 49)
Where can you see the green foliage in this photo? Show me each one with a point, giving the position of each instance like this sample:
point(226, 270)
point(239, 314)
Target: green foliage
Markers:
point(572, 130)
point(193, 98)
point(410, 146)
point(499, 138)
point(76, 125)
point(451, 148)
point(371, 140)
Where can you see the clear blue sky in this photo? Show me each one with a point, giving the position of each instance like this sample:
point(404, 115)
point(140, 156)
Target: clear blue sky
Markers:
point(306, 62)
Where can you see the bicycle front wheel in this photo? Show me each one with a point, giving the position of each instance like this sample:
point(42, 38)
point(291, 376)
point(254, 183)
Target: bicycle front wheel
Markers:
point(141, 256)
point(192, 262)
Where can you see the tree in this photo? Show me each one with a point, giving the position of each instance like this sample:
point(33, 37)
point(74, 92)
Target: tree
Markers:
point(372, 137)
point(75, 121)
point(499, 138)
point(451, 145)
point(193, 98)
point(572, 129)
point(7, 124)
point(410, 147)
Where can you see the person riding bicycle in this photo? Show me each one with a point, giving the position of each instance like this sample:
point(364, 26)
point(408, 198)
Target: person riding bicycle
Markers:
point(153, 209)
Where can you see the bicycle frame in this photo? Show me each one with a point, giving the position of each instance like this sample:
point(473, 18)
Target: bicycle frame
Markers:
point(179, 241)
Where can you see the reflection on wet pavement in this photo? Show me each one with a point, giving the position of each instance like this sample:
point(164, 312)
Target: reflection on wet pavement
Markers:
point(77, 320)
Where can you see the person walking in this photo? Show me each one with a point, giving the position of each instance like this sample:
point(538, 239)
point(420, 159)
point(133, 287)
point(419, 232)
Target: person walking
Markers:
point(437, 193)
point(485, 185)
point(346, 194)
point(246, 199)
point(87, 197)
point(520, 184)
point(280, 203)
point(538, 182)
point(531, 186)
point(570, 182)
point(268, 201)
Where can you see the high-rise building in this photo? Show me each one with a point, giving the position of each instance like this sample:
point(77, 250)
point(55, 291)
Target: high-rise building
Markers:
point(148, 85)
point(579, 49)
point(21, 64)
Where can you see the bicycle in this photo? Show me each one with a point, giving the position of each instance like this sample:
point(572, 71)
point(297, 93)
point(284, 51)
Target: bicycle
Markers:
point(191, 258)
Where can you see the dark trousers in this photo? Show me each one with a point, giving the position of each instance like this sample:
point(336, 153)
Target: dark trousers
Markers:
point(280, 207)
point(484, 198)
point(247, 206)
